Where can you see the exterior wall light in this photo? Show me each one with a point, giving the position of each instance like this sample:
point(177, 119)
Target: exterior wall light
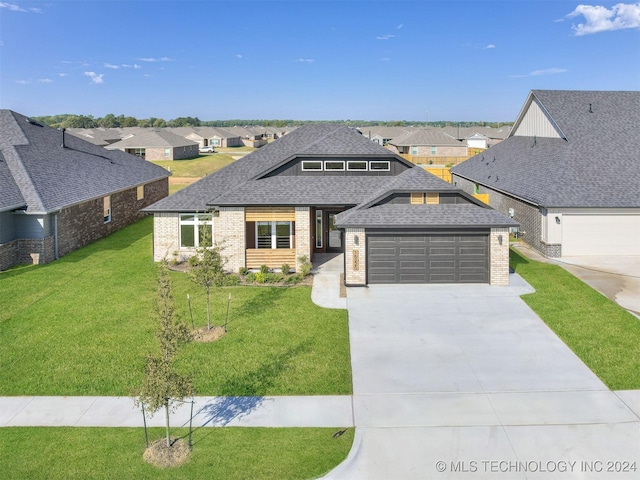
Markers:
point(558, 220)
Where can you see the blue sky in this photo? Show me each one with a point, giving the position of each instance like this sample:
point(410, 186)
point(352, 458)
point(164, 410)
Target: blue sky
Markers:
point(310, 60)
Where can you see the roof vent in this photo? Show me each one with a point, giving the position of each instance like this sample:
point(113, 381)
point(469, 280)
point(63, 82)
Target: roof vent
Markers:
point(590, 108)
point(62, 144)
point(33, 122)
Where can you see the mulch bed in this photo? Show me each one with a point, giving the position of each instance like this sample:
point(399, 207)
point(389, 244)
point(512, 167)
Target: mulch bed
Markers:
point(206, 335)
point(161, 456)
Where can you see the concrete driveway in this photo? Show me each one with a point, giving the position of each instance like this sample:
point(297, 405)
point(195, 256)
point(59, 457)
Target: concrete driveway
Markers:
point(460, 381)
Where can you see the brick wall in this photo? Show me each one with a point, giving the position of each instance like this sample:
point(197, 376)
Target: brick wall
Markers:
point(231, 235)
point(499, 256)
point(84, 223)
point(355, 257)
point(8, 254)
point(527, 215)
point(166, 237)
point(303, 234)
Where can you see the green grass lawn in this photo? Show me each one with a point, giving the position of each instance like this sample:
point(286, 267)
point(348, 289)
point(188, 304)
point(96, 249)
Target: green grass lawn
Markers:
point(84, 324)
point(197, 167)
point(228, 453)
point(604, 335)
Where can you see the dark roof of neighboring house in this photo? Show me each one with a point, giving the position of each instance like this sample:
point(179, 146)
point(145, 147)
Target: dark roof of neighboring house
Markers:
point(150, 138)
point(596, 164)
point(50, 177)
point(425, 136)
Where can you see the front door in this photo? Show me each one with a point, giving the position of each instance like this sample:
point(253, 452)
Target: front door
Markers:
point(334, 235)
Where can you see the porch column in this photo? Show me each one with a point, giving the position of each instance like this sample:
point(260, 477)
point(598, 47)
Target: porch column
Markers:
point(355, 257)
point(303, 234)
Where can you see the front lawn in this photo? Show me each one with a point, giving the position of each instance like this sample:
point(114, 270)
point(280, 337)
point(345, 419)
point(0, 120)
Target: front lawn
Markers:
point(604, 335)
point(84, 324)
point(197, 167)
point(229, 453)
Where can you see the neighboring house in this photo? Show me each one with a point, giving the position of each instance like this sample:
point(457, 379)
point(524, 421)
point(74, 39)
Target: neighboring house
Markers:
point(97, 136)
point(219, 137)
point(427, 142)
point(382, 135)
point(477, 136)
point(156, 144)
point(327, 188)
point(248, 136)
point(569, 173)
point(58, 192)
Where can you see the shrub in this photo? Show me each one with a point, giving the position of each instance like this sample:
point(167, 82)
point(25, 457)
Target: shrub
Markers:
point(231, 281)
point(286, 269)
point(264, 269)
point(243, 271)
point(260, 276)
point(251, 277)
point(305, 265)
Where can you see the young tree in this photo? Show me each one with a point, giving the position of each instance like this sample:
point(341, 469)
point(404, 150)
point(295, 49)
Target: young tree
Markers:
point(207, 269)
point(162, 383)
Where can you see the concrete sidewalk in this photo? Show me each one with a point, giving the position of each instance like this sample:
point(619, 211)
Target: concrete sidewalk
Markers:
point(285, 411)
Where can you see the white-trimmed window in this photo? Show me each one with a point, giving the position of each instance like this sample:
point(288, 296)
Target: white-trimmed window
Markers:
point(380, 166)
point(274, 235)
point(334, 165)
point(214, 142)
point(106, 208)
point(196, 229)
point(357, 165)
point(167, 152)
point(140, 192)
point(311, 165)
point(414, 150)
point(434, 150)
point(318, 228)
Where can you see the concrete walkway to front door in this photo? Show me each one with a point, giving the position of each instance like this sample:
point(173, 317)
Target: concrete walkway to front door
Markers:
point(465, 381)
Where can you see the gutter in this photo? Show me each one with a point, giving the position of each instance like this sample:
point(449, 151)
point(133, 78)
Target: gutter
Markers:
point(499, 190)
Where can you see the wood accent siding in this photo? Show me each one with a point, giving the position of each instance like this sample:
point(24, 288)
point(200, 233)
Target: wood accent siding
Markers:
point(273, 258)
point(417, 198)
point(433, 198)
point(270, 214)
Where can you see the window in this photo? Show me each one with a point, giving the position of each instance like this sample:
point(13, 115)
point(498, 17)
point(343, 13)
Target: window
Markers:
point(308, 165)
point(318, 228)
point(139, 152)
point(334, 165)
point(140, 192)
point(274, 234)
point(215, 142)
point(106, 209)
point(434, 150)
point(414, 150)
point(380, 166)
point(351, 166)
point(167, 152)
point(196, 229)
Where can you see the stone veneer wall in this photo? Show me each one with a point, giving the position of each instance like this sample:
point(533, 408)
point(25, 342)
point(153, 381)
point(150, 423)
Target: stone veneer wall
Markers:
point(527, 215)
point(303, 234)
point(499, 257)
point(230, 234)
point(355, 257)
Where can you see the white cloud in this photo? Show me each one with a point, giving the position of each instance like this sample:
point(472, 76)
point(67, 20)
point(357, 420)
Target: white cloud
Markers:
point(399, 27)
point(385, 37)
point(538, 73)
point(113, 67)
point(17, 8)
point(45, 80)
point(63, 74)
point(238, 55)
point(153, 59)
point(491, 45)
point(600, 19)
point(385, 59)
point(23, 82)
point(95, 77)
point(306, 60)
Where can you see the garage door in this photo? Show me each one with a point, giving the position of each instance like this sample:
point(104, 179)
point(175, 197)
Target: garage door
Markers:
point(428, 258)
point(600, 235)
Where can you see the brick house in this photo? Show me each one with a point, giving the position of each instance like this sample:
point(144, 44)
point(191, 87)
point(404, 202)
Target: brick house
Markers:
point(568, 173)
point(59, 192)
point(157, 144)
point(326, 188)
point(427, 142)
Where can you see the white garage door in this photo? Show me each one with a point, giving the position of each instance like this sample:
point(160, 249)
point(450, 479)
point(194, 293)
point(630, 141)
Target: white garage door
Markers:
point(600, 235)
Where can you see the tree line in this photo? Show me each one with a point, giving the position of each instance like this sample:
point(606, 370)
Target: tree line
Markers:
point(112, 121)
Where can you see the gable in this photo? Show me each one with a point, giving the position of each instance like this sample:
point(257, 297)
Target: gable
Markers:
point(535, 121)
point(340, 166)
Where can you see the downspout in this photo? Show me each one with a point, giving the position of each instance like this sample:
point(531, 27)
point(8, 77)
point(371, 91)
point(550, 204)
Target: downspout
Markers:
point(56, 256)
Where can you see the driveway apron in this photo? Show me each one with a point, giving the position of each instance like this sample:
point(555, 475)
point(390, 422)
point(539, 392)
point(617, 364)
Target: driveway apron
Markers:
point(465, 381)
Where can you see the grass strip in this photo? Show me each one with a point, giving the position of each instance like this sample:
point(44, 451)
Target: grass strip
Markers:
point(229, 453)
point(604, 335)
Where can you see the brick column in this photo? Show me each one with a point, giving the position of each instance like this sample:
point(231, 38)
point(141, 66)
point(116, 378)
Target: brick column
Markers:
point(230, 235)
point(303, 234)
point(355, 257)
point(499, 257)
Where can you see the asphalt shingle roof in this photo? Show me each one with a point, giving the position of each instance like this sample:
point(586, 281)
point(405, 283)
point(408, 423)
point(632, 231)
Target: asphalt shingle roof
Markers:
point(50, 177)
point(156, 137)
point(597, 165)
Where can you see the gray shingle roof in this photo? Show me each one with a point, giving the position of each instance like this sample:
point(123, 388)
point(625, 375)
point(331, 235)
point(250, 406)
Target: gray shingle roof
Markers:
point(10, 196)
point(50, 177)
point(148, 138)
point(428, 216)
point(425, 136)
point(308, 140)
point(598, 165)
